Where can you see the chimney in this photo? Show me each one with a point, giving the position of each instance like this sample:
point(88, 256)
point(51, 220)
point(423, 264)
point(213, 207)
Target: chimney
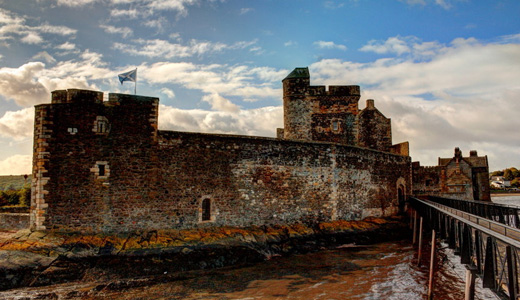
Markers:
point(473, 153)
point(370, 104)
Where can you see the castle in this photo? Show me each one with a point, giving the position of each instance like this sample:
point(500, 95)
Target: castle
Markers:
point(459, 177)
point(103, 166)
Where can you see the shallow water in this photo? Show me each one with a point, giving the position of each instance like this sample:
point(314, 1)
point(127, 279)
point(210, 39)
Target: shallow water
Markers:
point(510, 200)
point(381, 271)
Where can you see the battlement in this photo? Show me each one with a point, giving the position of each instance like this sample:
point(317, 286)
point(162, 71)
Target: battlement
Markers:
point(118, 99)
point(334, 90)
point(76, 96)
point(344, 90)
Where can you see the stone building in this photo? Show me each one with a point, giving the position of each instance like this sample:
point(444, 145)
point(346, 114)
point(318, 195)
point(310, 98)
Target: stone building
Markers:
point(457, 177)
point(103, 166)
point(313, 113)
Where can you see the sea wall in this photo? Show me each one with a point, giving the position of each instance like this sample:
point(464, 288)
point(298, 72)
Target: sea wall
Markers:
point(14, 221)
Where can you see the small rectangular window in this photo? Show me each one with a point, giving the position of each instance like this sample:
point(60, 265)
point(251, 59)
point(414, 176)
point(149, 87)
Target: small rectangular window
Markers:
point(335, 125)
point(101, 170)
point(206, 210)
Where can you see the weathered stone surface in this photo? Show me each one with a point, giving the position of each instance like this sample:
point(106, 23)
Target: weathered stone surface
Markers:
point(465, 178)
point(41, 258)
point(14, 221)
point(105, 167)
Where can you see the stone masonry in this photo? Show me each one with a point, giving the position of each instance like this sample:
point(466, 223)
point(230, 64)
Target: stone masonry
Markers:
point(459, 177)
point(105, 167)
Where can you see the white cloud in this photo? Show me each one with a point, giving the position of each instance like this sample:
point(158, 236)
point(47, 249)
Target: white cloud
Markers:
point(245, 10)
point(395, 45)
point(32, 37)
point(217, 79)
point(32, 83)
point(329, 45)
point(75, 3)
point(123, 31)
point(13, 27)
point(21, 84)
point(59, 30)
point(443, 3)
point(254, 122)
point(16, 165)
point(125, 13)
point(446, 4)
point(290, 43)
point(66, 46)
point(158, 23)
point(175, 5)
point(162, 48)
point(168, 92)
point(466, 94)
point(45, 56)
point(220, 103)
point(17, 124)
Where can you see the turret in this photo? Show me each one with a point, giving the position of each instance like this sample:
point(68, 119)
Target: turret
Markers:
point(296, 107)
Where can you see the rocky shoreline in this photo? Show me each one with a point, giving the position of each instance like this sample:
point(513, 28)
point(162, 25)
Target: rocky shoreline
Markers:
point(30, 259)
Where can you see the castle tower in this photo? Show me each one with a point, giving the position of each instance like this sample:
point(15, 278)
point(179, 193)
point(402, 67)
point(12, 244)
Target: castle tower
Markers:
point(297, 109)
point(311, 113)
point(81, 146)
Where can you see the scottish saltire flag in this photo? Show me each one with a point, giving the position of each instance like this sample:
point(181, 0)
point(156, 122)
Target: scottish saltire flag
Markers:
point(128, 76)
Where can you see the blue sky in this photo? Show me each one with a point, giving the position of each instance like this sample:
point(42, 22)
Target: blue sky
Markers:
point(447, 72)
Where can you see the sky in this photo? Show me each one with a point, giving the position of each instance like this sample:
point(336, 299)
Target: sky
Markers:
point(447, 72)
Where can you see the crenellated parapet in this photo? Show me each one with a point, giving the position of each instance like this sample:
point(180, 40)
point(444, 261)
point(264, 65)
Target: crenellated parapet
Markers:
point(315, 113)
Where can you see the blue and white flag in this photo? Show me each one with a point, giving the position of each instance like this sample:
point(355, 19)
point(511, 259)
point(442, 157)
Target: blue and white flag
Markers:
point(128, 76)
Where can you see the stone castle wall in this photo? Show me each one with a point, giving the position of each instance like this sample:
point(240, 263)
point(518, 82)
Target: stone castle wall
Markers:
point(104, 167)
point(459, 177)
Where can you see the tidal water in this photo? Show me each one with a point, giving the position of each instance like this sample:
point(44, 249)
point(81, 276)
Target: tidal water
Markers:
point(381, 271)
point(509, 199)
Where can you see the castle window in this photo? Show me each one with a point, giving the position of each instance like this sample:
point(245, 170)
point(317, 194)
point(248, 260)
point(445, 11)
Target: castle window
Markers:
point(101, 125)
point(335, 125)
point(101, 170)
point(206, 209)
point(72, 130)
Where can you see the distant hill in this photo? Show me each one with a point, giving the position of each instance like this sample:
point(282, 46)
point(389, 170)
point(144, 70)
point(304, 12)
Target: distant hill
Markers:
point(11, 182)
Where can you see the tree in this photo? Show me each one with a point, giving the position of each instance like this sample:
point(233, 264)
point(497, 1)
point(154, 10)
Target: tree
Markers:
point(516, 182)
point(497, 173)
point(508, 175)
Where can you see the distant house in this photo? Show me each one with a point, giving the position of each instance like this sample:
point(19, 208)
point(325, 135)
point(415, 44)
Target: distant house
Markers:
point(497, 184)
point(500, 182)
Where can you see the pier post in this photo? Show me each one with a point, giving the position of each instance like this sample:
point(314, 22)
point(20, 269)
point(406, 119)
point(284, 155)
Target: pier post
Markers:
point(432, 266)
point(489, 277)
point(469, 290)
point(511, 273)
point(451, 234)
point(414, 227)
point(420, 242)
